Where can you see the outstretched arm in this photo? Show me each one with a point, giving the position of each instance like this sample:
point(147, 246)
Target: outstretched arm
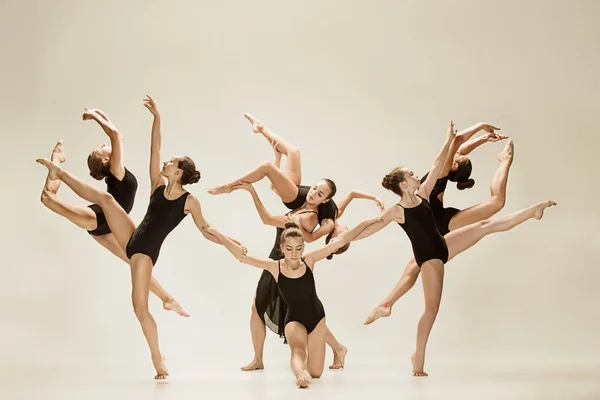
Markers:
point(357, 194)
point(239, 252)
point(438, 163)
point(116, 140)
point(266, 218)
point(192, 206)
point(156, 179)
point(341, 241)
point(394, 213)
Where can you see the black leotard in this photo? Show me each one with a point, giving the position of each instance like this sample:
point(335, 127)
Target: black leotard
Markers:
point(427, 242)
point(442, 214)
point(123, 192)
point(161, 218)
point(327, 210)
point(268, 301)
point(300, 294)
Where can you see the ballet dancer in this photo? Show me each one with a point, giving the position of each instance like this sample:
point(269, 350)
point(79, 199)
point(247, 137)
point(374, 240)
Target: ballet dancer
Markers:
point(104, 162)
point(305, 323)
point(432, 250)
point(309, 206)
point(275, 311)
point(449, 219)
point(169, 205)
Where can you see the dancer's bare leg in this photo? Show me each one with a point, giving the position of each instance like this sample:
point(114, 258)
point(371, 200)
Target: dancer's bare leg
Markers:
point(141, 273)
point(293, 164)
point(283, 185)
point(465, 237)
point(315, 362)
point(339, 350)
point(298, 342)
point(433, 282)
point(81, 216)
point(406, 282)
point(169, 303)
point(118, 220)
point(258, 331)
point(497, 199)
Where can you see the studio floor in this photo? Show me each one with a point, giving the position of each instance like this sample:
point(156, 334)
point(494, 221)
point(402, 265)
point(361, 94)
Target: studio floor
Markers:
point(360, 380)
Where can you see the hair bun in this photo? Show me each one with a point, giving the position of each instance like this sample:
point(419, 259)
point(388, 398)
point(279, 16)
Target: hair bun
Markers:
point(386, 182)
point(468, 184)
point(195, 177)
point(291, 225)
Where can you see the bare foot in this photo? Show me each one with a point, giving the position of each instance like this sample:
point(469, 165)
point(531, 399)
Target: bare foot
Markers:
point(257, 126)
point(417, 370)
point(173, 305)
point(255, 365)
point(57, 153)
point(160, 367)
point(379, 312)
point(222, 189)
point(303, 380)
point(538, 210)
point(338, 358)
point(53, 168)
point(508, 153)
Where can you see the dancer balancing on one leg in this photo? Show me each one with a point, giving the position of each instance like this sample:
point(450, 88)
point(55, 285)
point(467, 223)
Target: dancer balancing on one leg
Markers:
point(169, 204)
point(104, 162)
point(432, 250)
point(305, 324)
point(458, 167)
point(309, 205)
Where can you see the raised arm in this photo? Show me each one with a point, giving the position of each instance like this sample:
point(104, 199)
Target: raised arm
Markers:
point(156, 179)
point(240, 253)
point(116, 140)
point(438, 163)
point(357, 194)
point(490, 137)
point(266, 218)
point(348, 236)
point(192, 206)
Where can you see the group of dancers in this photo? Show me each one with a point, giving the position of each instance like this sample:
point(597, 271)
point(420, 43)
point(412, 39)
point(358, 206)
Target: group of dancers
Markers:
point(286, 300)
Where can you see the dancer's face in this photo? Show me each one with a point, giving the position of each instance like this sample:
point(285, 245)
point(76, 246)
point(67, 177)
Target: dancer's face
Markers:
point(293, 248)
point(103, 152)
point(171, 168)
point(411, 181)
point(318, 193)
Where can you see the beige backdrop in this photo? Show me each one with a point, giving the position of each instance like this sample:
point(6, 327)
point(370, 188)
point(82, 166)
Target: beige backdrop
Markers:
point(360, 87)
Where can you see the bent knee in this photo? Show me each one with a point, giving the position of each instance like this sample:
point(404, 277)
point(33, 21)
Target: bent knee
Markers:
point(268, 166)
point(46, 197)
point(106, 198)
point(315, 372)
point(293, 152)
